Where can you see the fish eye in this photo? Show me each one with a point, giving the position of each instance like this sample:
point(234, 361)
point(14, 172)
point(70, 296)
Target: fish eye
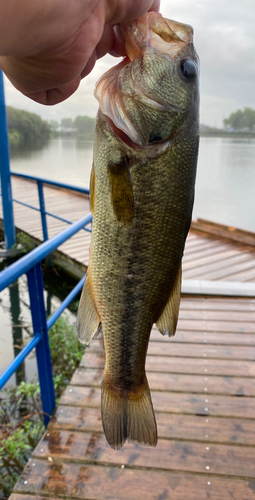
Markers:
point(188, 69)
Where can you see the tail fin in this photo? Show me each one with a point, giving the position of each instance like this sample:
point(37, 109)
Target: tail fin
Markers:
point(130, 417)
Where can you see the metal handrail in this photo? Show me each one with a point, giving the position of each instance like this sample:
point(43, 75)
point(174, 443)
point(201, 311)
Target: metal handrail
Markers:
point(42, 180)
point(31, 265)
point(40, 183)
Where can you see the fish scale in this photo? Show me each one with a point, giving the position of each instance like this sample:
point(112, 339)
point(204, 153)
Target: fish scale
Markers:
point(141, 198)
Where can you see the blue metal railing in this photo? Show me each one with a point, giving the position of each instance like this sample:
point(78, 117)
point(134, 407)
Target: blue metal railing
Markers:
point(9, 228)
point(31, 265)
point(40, 182)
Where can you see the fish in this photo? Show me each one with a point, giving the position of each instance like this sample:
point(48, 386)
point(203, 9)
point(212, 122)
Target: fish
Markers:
point(141, 197)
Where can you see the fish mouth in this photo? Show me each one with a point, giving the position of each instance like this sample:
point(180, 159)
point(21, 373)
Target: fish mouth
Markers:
point(159, 144)
point(152, 30)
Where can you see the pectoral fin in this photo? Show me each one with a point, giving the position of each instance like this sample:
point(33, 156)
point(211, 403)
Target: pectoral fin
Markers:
point(88, 322)
point(122, 193)
point(167, 322)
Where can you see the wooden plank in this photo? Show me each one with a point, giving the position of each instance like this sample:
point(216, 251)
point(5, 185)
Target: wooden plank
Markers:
point(217, 304)
point(205, 338)
point(224, 231)
point(95, 482)
point(248, 275)
point(238, 316)
point(190, 350)
point(235, 386)
point(215, 250)
point(183, 365)
point(214, 326)
point(200, 246)
point(229, 270)
point(184, 456)
point(191, 270)
point(199, 428)
point(193, 404)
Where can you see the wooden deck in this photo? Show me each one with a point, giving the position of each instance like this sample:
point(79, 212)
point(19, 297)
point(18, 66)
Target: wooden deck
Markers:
point(203, 389)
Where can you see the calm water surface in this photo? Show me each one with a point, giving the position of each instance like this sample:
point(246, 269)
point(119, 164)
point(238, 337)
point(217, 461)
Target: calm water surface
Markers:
point(225, 192)
point(225, 189)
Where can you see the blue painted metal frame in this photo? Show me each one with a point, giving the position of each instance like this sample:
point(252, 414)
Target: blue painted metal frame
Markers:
point(42, 210)
point(9, 228)
point(31, 264)
point(52, 183)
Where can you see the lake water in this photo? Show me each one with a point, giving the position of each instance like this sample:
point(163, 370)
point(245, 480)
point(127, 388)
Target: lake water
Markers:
point(225, 188)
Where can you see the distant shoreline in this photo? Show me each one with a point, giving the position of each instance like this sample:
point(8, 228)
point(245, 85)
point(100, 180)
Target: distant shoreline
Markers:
point(222, 133)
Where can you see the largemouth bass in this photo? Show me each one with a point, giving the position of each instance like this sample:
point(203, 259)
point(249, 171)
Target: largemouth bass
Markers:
point(141, 194)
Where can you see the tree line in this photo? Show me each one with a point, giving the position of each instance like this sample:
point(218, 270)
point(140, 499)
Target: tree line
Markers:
point(82, 127)
point(241, 120)
point(26, 130)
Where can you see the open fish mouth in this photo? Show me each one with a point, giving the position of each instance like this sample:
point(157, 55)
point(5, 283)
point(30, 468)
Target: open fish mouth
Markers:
point(154, 31)
point(131, 86)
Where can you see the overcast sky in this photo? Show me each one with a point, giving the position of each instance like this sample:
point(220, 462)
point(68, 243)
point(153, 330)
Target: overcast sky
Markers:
point(225, 41)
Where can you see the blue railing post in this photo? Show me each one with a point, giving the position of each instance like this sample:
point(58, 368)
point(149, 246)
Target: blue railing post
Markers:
point(35, 286)
point(42, 209)
point(9, 228)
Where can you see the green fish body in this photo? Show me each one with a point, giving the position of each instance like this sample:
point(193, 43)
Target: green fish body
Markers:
point(142, 193)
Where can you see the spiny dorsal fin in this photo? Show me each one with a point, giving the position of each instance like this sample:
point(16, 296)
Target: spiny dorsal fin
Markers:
point(122, 193)
point(167, 322)
point(88, 320)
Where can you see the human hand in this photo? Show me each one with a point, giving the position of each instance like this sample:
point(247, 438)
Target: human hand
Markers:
point(50, 46)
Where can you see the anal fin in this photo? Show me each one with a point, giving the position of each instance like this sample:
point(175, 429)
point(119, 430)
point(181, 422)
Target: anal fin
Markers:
point(88, 321)
point(167, 322)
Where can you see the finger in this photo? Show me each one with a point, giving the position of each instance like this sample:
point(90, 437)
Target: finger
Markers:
point(106, 41)
point(57, 95)
point(155, 6)
point(118, 45)
point(120, 11)
point(90, 64)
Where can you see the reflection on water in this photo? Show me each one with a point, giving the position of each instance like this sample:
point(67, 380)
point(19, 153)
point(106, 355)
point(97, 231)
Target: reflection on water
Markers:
point(225, 180)
point(63, 159)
